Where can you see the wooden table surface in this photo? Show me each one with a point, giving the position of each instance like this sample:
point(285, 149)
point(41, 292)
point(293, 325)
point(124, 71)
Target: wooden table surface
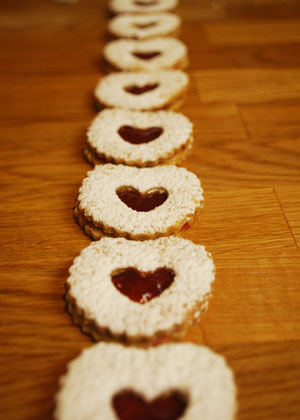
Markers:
point(245, 103)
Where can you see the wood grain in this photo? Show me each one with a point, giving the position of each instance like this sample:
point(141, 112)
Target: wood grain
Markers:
point(289, 198)
point(244, 101)
point(233, 33)
point(248, 85)
point(266, 56)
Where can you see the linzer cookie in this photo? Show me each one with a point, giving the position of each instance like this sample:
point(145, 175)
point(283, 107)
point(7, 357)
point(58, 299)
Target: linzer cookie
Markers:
point(149, 55)
point(142, 6)
point(142, 91)
point(144, 26)
point(138, 138)
point(139, 291)
point(169, 382)
point(137, 203)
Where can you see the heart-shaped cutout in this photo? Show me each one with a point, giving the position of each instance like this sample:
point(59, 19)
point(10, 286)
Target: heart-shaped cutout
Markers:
point(136, 135)
point(146, 55)
point(142, 202)
point(129, 405)
point(145, 3)
point(142, 286)
point(138, 90)
point(144, 25)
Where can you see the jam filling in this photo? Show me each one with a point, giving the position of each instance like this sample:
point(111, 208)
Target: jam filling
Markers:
point(145, 25)
point(146, 55)
point(138, 90)
point(130, 405)
point(145, 3)
point(136, 135)
point(185, 227)
point(142, 286)
point(142, 202)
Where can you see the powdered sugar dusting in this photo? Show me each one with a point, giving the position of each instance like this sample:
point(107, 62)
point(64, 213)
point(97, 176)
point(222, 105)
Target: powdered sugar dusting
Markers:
point(103, 370)
point(111, 89)
point(120, 53)
point(99, 201)
point(91, 286)
point(127, 26)
point(133, 6)
point(103, 134)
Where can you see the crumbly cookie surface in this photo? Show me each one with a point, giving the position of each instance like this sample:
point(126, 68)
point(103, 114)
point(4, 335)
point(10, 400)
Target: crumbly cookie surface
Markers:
point(122, 54)
point(170, 85)
point(144, 26)
point(142, 6)
point(95, 158)
point(103, 136)
point(90, 287)
point(101, 205)
point(103, 370)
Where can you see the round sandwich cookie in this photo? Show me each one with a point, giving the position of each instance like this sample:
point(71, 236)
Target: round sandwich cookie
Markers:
point(142, 91)
point(144, 26)
point(137, 291)
point(142, 6)
point(150, 55)
point(138, 203)
point(180, 381)
point(137, 138)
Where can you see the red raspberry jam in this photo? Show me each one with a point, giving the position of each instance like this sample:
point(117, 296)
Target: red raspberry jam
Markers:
point(146, 55)
point(129, 405)
point(136, 135)
point(145, 25)
point(185, 227)
point(139, 90)
point(145, 3)
point(142, 202)
point(141, 286)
